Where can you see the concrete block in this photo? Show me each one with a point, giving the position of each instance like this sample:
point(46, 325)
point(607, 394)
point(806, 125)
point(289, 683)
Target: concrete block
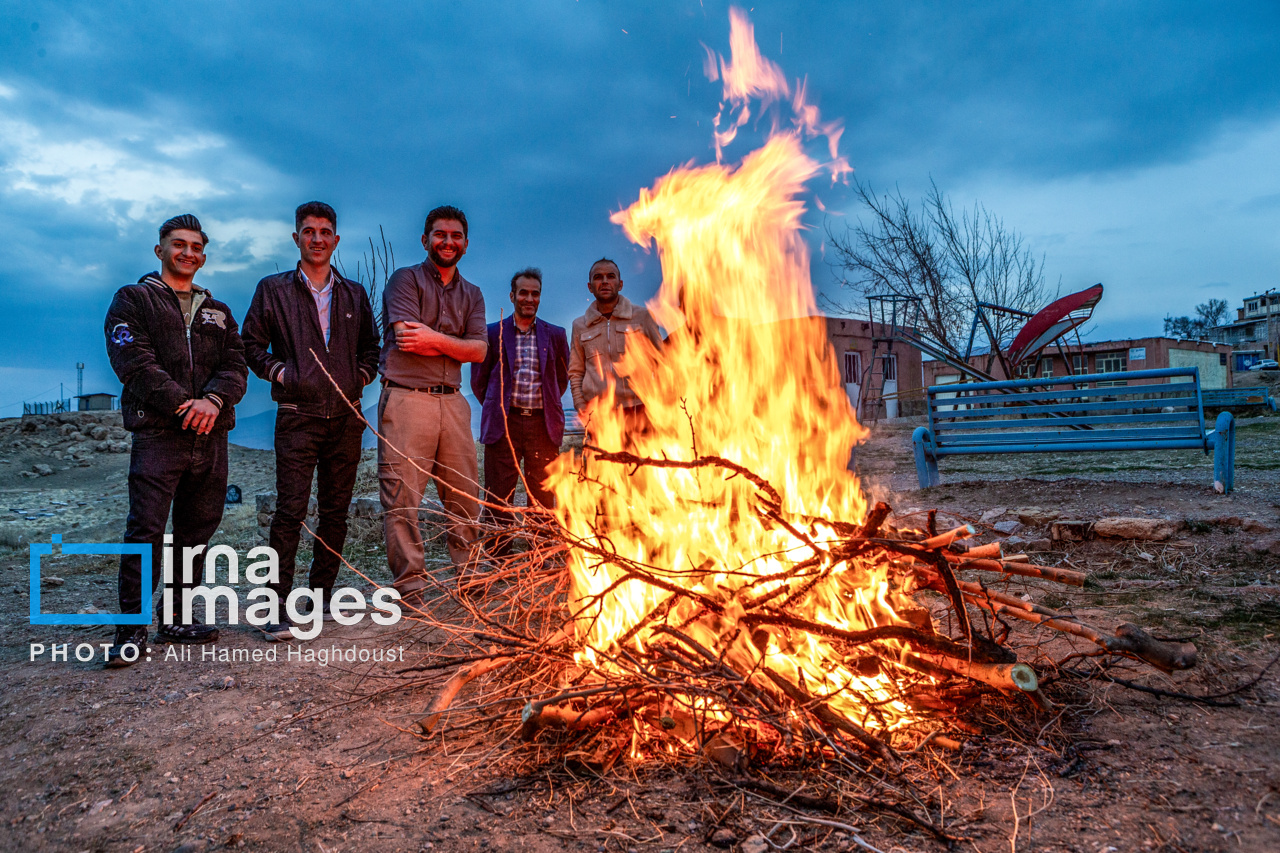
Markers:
point(1071, 530)
point(1144, 529)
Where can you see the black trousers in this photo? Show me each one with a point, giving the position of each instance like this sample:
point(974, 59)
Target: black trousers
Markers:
point(171, 469)
point(530, 444)
point(328, 448)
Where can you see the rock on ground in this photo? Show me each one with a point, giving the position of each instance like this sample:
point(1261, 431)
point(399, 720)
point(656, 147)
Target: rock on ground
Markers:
point(1147, 529)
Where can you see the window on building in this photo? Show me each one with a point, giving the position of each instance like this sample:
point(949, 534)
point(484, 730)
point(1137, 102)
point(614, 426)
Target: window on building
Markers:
point(1222, 359)
point(1038, 368)
point(852, 368)
point(1079, 365)
point(1112, 362)
point(890, 368)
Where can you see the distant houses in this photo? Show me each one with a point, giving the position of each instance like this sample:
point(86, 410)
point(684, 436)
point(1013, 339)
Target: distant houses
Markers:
point(1255, 334)
point(99, 402)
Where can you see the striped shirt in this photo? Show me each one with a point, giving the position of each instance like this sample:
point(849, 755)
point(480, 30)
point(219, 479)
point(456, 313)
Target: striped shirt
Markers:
point(527, 393)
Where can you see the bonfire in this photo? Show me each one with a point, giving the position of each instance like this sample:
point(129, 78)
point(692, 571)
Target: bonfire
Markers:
point(718, 587)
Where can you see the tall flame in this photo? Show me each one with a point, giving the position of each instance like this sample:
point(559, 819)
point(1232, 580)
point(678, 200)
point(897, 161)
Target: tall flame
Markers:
point(747, 375)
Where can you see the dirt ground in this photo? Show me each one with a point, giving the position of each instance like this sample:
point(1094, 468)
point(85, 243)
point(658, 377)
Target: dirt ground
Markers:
point(203, 754)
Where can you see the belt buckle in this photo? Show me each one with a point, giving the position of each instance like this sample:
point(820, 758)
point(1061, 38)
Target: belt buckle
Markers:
point(526, 413)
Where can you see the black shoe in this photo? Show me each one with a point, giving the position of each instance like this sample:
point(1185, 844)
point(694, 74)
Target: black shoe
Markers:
point(188, 634)
point(277, 632)
point(127, 635)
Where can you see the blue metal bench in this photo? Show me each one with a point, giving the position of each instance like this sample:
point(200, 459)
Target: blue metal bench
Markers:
point(1074, 413)
point(1237, 398)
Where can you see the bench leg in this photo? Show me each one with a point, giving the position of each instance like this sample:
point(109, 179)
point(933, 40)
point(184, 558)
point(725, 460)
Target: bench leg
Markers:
point(1224, 454)
point(926, 465)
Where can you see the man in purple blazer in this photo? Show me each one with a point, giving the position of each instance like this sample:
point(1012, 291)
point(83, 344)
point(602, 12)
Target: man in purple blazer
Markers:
point(519, 385)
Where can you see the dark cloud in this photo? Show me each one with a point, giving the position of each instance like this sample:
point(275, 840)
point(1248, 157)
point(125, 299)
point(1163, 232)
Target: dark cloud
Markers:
point(542, 118)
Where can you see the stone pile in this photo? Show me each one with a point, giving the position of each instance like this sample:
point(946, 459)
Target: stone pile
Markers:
point(67, 436)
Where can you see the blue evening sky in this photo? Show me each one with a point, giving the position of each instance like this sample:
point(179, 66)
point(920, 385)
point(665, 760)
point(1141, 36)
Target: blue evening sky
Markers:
point(1136, 144)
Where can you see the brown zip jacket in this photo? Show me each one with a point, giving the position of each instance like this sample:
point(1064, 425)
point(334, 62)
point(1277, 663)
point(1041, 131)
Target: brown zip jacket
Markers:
point(596, 345)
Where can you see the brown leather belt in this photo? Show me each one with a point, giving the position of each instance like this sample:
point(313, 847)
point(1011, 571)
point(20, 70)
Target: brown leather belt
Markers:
point(430, 389)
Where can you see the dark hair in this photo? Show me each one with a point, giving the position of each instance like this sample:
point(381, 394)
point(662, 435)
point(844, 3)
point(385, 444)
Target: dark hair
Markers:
point(183, 222)
point(318, 209)
point(616, 268)
point(446, 211)
point(528, 272)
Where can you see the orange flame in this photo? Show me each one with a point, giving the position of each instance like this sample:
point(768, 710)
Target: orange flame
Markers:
point(748, 375)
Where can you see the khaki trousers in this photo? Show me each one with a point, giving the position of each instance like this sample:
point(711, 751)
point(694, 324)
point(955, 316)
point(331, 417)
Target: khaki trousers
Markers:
point(425, 438)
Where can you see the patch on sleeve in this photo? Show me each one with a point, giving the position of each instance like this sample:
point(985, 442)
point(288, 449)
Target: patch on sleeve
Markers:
point(213, 315)
point(120, 334)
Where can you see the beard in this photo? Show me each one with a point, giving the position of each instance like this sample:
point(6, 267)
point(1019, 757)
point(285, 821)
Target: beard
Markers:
point(442, 262)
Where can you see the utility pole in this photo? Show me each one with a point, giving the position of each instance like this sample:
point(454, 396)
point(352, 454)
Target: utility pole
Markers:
point(79, 378)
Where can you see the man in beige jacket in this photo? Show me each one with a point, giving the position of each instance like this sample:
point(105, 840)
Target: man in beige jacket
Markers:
point(599, 339)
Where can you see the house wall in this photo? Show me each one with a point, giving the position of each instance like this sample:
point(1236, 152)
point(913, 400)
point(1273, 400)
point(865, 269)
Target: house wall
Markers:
point(96, 402)
point(850, 336)
point(1213, 374)
point(1261, 304)
point(1257, 325)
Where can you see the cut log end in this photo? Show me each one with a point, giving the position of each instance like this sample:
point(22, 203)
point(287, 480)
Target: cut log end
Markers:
point(1024, 677)
point(532, 719)
point(1002, 676)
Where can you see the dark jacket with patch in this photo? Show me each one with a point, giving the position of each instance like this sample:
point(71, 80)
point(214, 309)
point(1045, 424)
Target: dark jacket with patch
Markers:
point(282, 331)
point(163, 363)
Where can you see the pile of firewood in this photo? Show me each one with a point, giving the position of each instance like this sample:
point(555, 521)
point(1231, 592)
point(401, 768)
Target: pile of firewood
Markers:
point(673, 697)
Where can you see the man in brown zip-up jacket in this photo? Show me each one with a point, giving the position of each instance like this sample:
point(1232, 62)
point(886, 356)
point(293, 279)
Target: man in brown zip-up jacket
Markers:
point(599, 339)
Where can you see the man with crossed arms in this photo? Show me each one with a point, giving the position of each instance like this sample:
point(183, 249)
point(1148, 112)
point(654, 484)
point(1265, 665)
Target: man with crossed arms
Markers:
point(433, 321)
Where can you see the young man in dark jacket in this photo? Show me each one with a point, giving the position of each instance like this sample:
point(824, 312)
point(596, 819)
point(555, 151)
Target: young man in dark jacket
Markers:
point(519, 385)
point(178, 353)
point(303, 324)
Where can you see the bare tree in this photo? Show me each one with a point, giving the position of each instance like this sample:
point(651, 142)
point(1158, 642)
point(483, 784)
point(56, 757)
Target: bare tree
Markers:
point(376, 266)
point(1211, 313)
point(951, 260)
point(1200, 327)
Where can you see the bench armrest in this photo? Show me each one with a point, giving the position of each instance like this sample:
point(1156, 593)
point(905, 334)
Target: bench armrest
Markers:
point(926, 462)
point(1223, 441)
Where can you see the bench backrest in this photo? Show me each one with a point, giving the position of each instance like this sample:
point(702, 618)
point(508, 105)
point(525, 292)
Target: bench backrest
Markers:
point(1236, 396)
point(1071, 412)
